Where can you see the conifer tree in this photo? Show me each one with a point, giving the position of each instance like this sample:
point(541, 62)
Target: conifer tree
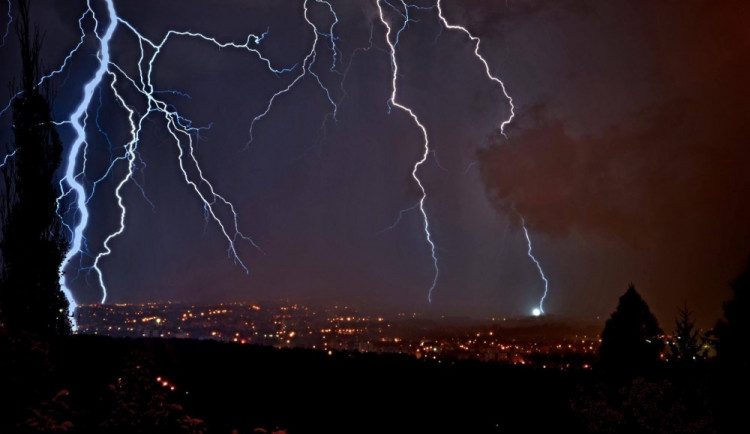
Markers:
point(32, 243)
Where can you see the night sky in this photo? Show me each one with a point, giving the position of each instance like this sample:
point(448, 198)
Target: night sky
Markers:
point(628, 154)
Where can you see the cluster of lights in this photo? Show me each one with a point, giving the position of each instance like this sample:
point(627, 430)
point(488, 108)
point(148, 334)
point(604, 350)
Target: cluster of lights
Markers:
point(165, 383)
point(327, 329)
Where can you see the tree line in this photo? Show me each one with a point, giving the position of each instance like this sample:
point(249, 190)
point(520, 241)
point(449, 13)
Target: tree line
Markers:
point(648, 381)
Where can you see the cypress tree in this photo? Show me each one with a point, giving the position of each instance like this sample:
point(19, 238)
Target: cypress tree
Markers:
point(32, 244)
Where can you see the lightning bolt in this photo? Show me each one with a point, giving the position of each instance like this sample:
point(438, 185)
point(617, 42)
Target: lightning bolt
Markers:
point(487, 71)
point(77, 189)
point(426, 144)
point(538, 265)
point(392, 101)
point(70, 174)
point(180, 128)
point(416, 205)
point(503, 125)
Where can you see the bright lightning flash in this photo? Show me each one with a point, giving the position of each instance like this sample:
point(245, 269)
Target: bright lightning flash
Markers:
point(393, 101)
point(537, 310)
point(180, 129)
point(77, 191)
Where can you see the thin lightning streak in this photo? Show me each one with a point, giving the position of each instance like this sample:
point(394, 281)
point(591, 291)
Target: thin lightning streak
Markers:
point(405, 15)
point(477, 41)
point(437, 161)
point(307, 65)
point(469, 166)
point(251, 39)
point(7, 157)
point(7, 26)
point(143, 192)
point(82, 173)
point(398, 218)
point(99, 126)
point(425, 154)
point(69, 57)
point(69, 177)
point(59, 70)
point(538, 265)
point(358, 50)
point(330, 34)
point(10, 102)
point(344, 75)
point(173, 92)
point(129, 174)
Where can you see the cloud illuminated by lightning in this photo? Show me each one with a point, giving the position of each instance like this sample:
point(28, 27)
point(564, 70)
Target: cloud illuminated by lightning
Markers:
point(503, 125)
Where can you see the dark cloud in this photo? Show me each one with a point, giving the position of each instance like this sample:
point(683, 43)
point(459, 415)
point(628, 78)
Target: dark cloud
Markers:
point(669, 180)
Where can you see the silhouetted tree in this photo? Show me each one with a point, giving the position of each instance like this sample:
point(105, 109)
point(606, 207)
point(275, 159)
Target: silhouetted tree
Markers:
point(51, 415)
point(631, 340)
point(731, 340)
point(655, 406)
point(32, 244)
point(633, 396)
point(733, 331)
point(142, 405)
point(685, 346)
point(27, 378)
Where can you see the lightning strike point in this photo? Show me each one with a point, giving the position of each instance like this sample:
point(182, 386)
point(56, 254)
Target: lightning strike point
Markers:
point(539, 310)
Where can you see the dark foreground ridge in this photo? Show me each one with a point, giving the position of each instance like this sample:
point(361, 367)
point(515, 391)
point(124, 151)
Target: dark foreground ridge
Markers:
point(243, 387)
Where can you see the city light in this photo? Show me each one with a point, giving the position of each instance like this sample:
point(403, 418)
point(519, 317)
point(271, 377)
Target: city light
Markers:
point(344, 328)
